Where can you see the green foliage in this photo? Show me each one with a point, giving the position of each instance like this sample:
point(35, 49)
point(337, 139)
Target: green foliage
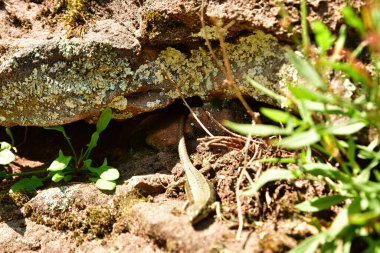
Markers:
point(59, 168)
point(323, 36)
point(64, 167)
point(6, 154)
point(352, 19)
point(330, 118)
point(105, 175)
point(27, 184)
point(269, 176)
point(319, 204)
point(306, 70)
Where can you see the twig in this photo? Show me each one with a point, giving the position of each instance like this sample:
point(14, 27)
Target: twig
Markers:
point(246, 174)
point(246, 148)
point(238, 203)
point(208, 44)
point(167, 75)
point(224, 128)
point(226, 66)
point(229, 75)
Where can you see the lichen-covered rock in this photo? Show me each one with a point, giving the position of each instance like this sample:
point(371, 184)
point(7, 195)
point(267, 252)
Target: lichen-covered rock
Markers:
point(124, 51)
point(65, 81)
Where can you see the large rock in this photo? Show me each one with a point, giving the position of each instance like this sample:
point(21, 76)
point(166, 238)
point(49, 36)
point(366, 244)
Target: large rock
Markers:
point(124, 50)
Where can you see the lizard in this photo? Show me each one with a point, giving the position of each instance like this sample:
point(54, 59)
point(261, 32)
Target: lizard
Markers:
point(200, 192)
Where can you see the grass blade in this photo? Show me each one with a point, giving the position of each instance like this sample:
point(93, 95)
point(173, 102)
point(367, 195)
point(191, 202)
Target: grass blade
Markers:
point(300, 140)
point(306, 70)
point(268, 176)
point(104, 120)
point(266, 91)
point(318, 204)
point(255, 130)
point(347, 129)
point(279, 116)
point(352, 19)
point(309, 245)
point(323, 36)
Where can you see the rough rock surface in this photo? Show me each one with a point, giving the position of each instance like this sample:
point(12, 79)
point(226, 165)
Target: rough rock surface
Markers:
point(124, 49)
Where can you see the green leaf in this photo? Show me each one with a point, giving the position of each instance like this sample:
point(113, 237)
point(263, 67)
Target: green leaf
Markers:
point(99, 170)
point(58, 176)
point(255, 130)
point(377, 227)
point(277, 160)
point(341, 221)
point(347, 129)
point(326, 170)
point(322, 107)
point(5, 145)
point(6, 157)
point(305, 114)
point(306, 70)
point(320, 203)
point(105, 185)
point(377, 175)
point(103, 120)
point(94, 141)
point(339, 224)
point(60, 163)
point(361, 219)
point(56, 128)
point(268, 176)
point(279, 116)
point(309, 245)
point(357, 74)
point(27, 184)
point(110, 174)
point(352, 19)
point(87, 164)
point(304, 93)
point(266, 91)
point(368, 187)
point(323, 36)
point(375, 15)
point(339, 45)
point(300, 140)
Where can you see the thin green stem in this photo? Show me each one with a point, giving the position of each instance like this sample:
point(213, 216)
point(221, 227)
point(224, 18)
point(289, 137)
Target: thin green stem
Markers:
point(71, 147)
point(27, 173)
point(276, 160)
point(305, 31)
point(9, 133)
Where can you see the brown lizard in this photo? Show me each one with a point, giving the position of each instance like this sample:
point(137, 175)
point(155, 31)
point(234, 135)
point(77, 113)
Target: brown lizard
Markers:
point(201, 193)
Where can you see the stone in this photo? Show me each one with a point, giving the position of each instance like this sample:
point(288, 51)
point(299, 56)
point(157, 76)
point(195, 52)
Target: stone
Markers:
point(124, 49)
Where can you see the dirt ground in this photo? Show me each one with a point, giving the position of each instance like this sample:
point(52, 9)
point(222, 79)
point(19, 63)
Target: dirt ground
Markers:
point(141, 215)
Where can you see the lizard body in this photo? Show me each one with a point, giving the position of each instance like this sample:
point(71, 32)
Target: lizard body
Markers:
point(201, 193)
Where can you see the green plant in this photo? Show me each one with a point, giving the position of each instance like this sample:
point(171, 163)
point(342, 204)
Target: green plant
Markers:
point(336, 102)
point(65, 167)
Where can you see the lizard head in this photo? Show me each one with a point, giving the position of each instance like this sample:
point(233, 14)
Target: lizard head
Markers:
point(196, 213)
